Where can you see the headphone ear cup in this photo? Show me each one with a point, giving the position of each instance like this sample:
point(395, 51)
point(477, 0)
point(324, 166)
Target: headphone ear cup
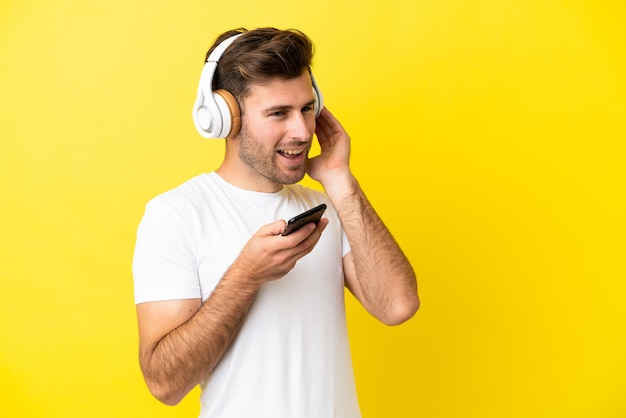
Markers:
point(319, 99)
point(215, 115)
point(204, 119)
point(229, 111)
point(319, 102)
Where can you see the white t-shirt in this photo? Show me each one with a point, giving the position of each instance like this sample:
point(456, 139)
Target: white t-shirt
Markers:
point(291, 357)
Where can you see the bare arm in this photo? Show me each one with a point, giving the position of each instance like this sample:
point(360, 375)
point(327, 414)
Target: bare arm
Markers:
point(376, 270)
point(181, 341)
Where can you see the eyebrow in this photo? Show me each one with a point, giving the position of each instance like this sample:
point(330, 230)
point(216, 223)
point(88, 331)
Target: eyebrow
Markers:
point(287, 107)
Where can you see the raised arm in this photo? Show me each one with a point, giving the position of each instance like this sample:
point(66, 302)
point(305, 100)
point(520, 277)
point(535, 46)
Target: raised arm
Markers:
point(376, 270)
point(181, 341)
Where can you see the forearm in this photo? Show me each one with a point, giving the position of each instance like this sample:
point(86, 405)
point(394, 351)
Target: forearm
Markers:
point(376, 270)
point(383, 279)
point(183, 357)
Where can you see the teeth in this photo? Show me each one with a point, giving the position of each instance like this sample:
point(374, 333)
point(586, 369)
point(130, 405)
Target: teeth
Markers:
point(291, 152)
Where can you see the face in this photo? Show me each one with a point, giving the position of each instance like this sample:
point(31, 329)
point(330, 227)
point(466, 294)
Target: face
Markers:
point(278, 123)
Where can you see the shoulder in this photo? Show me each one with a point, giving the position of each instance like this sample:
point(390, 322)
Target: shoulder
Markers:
point(190, 190)
point(189, 194)
point(181, 205)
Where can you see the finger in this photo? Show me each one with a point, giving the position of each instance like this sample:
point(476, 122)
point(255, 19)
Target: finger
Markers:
point(324, 135)
point(300, 234)
point(329, 130)
point(307, 245)
point(315, 232)
point(275, 228)
point(330, 123)
point(307, 235)
point(323, 121)
point(321, 130)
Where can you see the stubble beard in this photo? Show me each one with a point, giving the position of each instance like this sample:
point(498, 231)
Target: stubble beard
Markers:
point(263, 161)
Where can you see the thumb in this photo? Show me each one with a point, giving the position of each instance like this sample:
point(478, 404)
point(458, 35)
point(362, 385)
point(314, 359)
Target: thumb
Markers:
point(275, 228)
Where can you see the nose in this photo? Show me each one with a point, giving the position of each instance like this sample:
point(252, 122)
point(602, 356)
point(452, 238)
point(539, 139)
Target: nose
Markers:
point(301, 126)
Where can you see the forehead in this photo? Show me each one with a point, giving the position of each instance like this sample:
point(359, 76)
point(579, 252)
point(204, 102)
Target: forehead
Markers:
point(279, 92)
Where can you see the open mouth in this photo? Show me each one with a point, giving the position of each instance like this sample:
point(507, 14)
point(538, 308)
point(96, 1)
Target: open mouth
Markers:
point(291, 154)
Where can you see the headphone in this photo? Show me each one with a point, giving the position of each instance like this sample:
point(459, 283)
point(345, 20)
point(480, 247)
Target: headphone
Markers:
point(216, 114)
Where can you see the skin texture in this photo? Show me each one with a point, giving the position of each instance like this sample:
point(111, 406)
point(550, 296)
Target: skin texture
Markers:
point(181, 341)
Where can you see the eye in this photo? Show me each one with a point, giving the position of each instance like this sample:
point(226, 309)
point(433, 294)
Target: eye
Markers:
point(278, 113)
point(307, 109)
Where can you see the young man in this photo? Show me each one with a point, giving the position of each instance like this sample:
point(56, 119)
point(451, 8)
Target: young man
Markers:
point(225, 300)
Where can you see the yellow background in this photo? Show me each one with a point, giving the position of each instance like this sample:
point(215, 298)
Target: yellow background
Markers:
point(490, 135)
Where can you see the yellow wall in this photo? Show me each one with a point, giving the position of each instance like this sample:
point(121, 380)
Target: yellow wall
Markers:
point(489, 134)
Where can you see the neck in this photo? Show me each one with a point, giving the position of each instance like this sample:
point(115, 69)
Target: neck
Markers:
point(242, 176)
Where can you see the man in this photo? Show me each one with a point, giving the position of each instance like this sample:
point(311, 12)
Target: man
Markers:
point(225, 300)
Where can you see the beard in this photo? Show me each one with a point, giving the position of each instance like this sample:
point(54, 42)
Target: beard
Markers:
point(264, 161)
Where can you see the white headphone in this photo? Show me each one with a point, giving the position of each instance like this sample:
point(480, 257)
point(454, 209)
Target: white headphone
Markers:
point(216, 113)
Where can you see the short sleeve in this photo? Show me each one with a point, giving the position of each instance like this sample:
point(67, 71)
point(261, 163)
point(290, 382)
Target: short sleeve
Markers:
point(345, 244)
point(164, 262)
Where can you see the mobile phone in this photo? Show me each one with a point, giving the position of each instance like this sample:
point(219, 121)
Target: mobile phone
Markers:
point(312, 215)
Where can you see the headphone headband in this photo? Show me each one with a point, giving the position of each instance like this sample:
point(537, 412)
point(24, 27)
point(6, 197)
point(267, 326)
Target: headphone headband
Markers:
point(217, 53)
point(211, 65)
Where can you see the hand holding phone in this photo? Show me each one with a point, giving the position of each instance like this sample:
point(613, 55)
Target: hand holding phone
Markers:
point(312, 215)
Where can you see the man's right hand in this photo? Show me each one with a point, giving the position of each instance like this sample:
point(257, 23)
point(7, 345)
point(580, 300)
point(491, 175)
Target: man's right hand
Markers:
point(268, 255)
